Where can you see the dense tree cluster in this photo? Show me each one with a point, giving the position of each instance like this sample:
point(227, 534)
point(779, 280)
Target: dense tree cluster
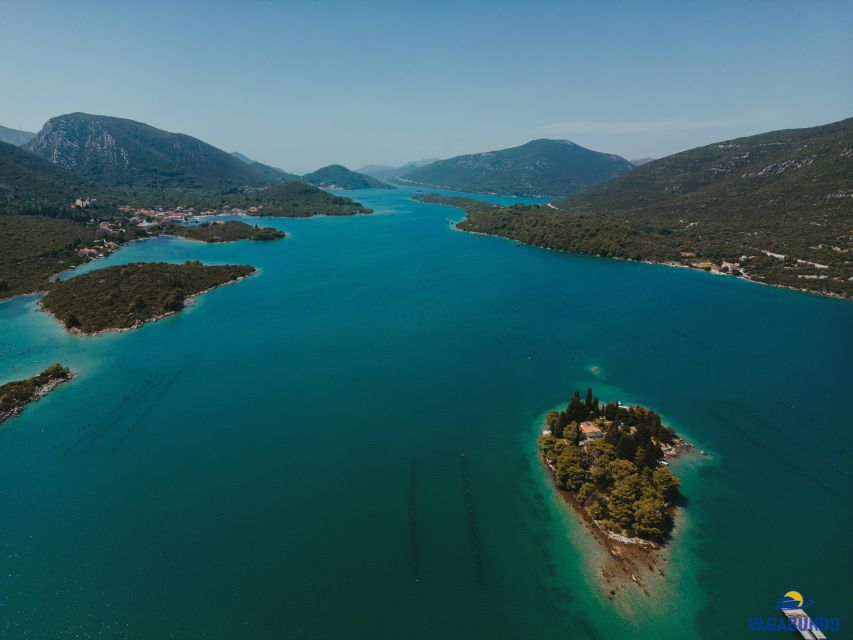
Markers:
point(121, 297)
point(228, 231)
point(33, 248)
point(616, 478)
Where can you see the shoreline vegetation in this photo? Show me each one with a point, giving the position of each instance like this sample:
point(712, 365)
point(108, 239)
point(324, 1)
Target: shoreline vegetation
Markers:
point(555, 230)
point(14, 396)
point(126, 297)
point(610, 464)
point(37, 250)
point(216, 232)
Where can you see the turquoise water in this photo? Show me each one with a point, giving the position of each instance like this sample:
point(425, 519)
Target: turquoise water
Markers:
point(283, 458)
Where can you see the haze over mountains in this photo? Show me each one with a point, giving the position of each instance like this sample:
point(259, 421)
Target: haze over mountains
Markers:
point(539, 167)
point(15, 136)
point(272, 172)
point(386, 172)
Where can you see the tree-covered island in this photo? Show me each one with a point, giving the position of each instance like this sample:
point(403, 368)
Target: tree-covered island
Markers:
point(15, 395)
point(127, 296)
point(229, 231)
point(610, 460)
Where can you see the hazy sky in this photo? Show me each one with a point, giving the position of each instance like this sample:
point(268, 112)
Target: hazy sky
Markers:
point(300, 85)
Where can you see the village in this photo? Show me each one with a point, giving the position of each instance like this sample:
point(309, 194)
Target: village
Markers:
point(125, 222)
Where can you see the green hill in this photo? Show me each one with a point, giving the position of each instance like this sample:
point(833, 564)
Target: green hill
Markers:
point(336, 176)
point(540, 167)
point(295, 199)
point(274, 173)
point(776, 208)
point(15, 136)
point(29, 183)
point(123, 153)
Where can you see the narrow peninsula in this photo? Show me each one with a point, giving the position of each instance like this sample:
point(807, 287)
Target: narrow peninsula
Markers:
point(609, 463)
point(127, 296)
point(15, 395)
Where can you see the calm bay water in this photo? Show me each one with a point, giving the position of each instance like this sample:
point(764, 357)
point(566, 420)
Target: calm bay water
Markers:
point(283, 459)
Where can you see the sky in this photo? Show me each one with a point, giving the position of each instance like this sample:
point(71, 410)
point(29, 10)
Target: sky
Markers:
point(302, 85)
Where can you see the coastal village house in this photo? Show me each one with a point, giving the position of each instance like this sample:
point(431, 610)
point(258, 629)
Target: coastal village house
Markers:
point(590, 430)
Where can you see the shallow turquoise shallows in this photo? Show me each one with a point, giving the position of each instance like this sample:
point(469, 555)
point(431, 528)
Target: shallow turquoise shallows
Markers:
point(284, 458)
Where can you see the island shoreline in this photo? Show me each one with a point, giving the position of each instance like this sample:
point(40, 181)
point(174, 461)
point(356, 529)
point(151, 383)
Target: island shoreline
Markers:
point(625, 560)
point(38, 393)
point(189, 300)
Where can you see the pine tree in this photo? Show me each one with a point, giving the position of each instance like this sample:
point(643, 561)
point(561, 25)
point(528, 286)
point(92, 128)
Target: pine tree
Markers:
point(666, 482)
point(626, 448)
point(572, 433)
point(649, 518)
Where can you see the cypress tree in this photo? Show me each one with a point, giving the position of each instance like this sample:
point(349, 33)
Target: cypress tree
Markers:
point(562, 423)
point(575, 410)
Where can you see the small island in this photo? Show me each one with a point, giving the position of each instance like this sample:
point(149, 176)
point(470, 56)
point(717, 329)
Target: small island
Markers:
point(127, 296)
point(15, 395)
point(609, 463)
point(229, 231)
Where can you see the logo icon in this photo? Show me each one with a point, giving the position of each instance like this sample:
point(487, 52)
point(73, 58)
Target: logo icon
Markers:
point(793, 600)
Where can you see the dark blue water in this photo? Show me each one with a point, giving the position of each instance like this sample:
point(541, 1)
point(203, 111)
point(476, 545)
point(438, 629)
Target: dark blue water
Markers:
point(282, 459)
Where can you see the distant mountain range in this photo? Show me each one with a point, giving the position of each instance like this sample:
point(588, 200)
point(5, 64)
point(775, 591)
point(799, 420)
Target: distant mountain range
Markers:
point(124, 153)
point(776, 207)
point(339, 177)
point(540, 167)
point(641, 161)
point(15, 136)
point(334, 176)
point(386, 172)
point(120, 161)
